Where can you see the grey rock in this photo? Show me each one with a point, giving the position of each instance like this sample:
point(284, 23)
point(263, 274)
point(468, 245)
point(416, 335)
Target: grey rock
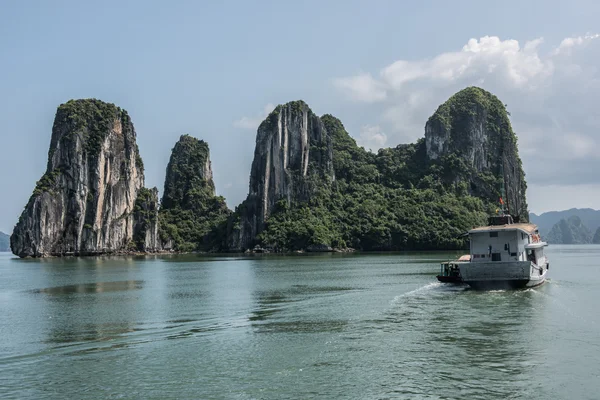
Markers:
point(292, 146)
point(474, 125)
point(84, 203)
point(319, 248)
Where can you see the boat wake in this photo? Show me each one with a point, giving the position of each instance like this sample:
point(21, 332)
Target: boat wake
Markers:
point(425, 288)
point(431, 289)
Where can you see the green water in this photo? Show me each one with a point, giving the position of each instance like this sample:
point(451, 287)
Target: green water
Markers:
point(332, 327)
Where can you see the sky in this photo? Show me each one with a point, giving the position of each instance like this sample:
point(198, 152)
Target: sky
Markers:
point(215, 69)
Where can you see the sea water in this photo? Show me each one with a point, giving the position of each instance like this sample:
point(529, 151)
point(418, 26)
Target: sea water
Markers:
point(372, 326)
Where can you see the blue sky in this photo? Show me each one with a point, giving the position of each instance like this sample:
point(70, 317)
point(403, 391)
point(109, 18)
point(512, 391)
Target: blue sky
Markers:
point(213, 69)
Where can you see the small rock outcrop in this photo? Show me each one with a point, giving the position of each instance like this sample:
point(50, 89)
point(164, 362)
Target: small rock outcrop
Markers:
point(570, 231)
point(472, 136)
point(4, 242)
point(192, 216)
point(596, 238)
point(293, 155)
point(84, 203)
point(319, 248)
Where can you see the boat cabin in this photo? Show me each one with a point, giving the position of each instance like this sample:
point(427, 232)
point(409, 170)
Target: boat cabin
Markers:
point(450, 270)
point(505, 241)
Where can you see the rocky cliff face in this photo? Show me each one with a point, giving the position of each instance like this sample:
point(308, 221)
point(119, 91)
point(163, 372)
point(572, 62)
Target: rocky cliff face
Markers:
point(191, 212)
point(84, 202)
point(293, 156)
point(471, 134)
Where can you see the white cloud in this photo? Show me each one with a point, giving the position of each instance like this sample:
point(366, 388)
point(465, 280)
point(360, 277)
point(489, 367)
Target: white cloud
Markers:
point(371, 137)
point(551, 90)
point(505, 60)
point(254, 122)
point(488, 56)
point(361, 88)
point(571, 42)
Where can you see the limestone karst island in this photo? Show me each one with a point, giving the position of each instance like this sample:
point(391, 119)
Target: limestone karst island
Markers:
point(312, 188)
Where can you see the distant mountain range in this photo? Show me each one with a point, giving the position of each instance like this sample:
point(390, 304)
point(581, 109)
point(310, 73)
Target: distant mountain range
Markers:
point(574, 226)
point(4, 242)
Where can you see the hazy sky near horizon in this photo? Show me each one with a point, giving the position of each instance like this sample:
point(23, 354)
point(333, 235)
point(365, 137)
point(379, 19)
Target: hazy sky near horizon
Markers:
point(215, 69)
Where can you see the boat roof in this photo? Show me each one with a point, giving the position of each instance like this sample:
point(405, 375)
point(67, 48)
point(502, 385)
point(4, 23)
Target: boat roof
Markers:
point(527, 228)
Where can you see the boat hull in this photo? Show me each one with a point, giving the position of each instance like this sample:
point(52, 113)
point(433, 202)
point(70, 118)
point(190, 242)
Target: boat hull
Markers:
point(503, 275)
point(504, 285)
point(449, 279)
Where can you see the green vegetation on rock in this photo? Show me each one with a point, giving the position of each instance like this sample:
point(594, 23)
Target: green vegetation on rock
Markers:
point(46, 182)
point(466, 157)
point(191, 216)
point(145, 216)
point(395, 200)
point(93, 119)
point(311, 185)
point(456, 113)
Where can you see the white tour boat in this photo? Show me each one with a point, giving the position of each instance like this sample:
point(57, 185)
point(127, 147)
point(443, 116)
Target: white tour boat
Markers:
point(505, 254)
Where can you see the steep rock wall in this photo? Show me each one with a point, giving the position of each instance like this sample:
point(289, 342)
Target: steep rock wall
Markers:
point(471, 135)
point(83, 204)
point(293, 156)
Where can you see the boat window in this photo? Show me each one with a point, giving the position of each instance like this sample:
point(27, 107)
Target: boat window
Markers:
point(496, 257)
point(513, 254)
point(493, 234)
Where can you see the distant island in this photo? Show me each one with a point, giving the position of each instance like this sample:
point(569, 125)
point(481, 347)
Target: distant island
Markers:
point(4, 242)
point(312, 188)
point(573, 226)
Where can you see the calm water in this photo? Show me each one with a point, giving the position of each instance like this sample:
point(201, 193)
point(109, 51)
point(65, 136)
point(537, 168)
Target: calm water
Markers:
point(334, 327)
